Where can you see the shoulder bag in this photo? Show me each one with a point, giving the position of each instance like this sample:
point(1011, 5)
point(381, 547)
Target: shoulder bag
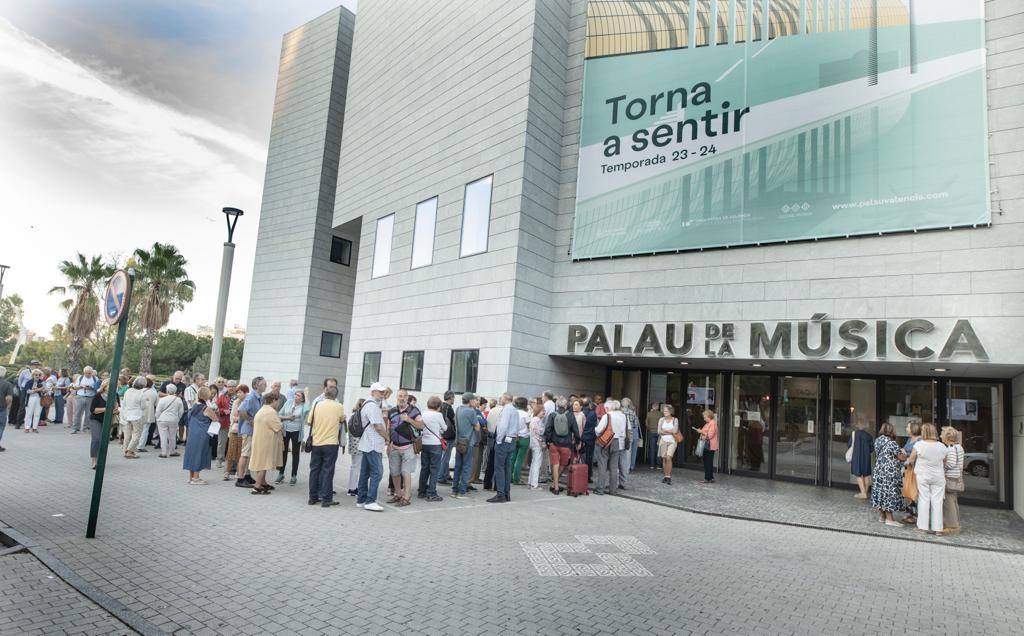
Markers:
point(909, 484)
point(307, 446)
point(604, 440)
point(678, 435)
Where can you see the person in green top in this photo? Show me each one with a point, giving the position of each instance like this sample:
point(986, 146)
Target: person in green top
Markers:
point(293, 416)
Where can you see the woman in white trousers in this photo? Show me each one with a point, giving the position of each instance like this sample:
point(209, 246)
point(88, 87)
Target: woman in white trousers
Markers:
point(33, 407)
point(928, 459)
point(168, 413)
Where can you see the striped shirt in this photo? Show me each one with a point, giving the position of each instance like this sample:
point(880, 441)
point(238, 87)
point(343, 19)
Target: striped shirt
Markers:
point(954, 461)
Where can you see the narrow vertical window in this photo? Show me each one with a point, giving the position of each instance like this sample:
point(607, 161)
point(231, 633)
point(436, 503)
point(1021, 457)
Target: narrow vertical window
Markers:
point(476, 217)
point(412, 371)
point(463, 371)
point(371, 368)
point(382, 246)
point(423, 233)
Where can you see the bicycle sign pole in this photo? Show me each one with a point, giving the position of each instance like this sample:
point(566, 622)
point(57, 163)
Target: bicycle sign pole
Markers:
point(116, 300)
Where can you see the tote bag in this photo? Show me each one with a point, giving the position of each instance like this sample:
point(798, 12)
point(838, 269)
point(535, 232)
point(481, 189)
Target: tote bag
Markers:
point(909, 485)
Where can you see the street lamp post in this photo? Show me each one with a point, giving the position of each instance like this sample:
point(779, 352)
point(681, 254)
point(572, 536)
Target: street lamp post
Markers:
point(231, 216)
point(3, 270)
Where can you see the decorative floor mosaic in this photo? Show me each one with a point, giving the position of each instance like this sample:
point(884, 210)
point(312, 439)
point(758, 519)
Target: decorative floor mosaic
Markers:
point(589, 555)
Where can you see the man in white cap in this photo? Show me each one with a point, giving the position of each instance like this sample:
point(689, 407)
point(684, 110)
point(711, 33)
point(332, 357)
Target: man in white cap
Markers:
point(371, 445)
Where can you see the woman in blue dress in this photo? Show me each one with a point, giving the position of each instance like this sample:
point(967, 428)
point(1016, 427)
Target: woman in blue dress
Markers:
point(197, 444)
point(860, 462)
point(887, 491)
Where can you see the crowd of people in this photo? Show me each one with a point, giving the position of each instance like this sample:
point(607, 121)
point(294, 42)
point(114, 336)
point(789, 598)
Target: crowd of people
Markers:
point(251, 431)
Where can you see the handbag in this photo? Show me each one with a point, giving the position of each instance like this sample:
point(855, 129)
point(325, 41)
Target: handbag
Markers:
point(604, 440)
point(307, 446)
point(462, 445)
point(444, 442)
point(954, 484)
point(678, 437)
point(849, 451)
point(909, 484)
point(702, 444)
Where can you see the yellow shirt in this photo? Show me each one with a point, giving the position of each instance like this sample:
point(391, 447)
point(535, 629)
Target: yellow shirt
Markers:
point(325, 418)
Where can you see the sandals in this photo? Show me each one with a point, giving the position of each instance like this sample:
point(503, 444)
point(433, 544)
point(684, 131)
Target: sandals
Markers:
point(402, 503)
point(394, 500)
point(259, 491)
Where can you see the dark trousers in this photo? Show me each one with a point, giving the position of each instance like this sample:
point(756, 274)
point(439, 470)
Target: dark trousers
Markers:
point(503, 454)
point(58, 403)
point(489, 469)
point(430, 469)
point(709, 465)
point(291, 438)
point(147, 433)
point(588, 456)
point(321, 471)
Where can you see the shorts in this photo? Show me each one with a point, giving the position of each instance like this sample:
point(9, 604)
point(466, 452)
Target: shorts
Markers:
point(666, 449)
point(402, 461)
point(559, 455)
point(246, 446)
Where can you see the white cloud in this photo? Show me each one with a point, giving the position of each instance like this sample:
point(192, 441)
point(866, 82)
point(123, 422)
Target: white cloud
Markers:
point(87, 164)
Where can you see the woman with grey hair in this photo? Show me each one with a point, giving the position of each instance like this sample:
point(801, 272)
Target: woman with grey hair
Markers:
point(133, 409)
point(608, 455)
point(169, 410)
point(633, 420)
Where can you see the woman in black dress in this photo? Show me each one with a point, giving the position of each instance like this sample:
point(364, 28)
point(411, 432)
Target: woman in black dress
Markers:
point(860, 461)
point(887, 491)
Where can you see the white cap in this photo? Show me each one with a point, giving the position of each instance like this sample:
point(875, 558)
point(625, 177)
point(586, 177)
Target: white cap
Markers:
point(378, 386)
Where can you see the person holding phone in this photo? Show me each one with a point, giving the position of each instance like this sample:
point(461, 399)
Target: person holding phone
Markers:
point(709, 433)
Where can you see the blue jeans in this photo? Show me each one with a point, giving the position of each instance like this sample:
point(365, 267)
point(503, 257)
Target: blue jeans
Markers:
point(444, 476)
point(430, 468)
point(634, 449)
point(652, 449)
point(369, 477)
point(321, 472)
point(3, 420)
point(463, 464)
point(503, 453)
point(58, 403)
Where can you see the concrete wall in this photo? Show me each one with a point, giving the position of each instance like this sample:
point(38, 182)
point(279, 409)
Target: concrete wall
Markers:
point(296, 290)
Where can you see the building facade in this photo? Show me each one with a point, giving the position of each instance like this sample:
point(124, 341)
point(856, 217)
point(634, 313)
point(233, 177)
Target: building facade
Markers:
point(442, 241)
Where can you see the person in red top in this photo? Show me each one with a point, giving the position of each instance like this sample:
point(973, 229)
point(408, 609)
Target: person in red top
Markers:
point(225, 394)
point(709, 433)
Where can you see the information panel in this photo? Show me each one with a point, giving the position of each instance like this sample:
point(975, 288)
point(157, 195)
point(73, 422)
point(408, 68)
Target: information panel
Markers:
point(792, 120)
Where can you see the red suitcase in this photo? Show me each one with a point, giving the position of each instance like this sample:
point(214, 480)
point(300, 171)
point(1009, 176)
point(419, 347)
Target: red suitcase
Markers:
point(576, 482)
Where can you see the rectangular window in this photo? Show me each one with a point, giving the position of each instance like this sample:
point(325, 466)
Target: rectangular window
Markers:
point(341, 251)
point(423, 233)
point(330, 344)
point(462, 376)
point(412, 371)
point(382, 246)
point(476, 217)
point(371, 368)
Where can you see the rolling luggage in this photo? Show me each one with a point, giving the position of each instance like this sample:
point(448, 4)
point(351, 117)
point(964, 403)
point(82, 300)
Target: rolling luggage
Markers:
point(579, 474)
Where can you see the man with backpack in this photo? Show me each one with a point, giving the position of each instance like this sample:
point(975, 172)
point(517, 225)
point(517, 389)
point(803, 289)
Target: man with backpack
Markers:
point(372, 444)
point(562, 439)
point(448, 413)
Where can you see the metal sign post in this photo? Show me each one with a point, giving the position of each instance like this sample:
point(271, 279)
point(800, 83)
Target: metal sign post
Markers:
point(116, 300)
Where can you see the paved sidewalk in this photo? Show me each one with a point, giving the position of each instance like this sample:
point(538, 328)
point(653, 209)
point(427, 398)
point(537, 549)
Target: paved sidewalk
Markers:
point(808, 506)
point(217, 560)
point(34, 601)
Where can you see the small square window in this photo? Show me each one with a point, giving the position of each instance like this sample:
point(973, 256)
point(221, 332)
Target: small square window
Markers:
point(330, 344)
point(371, 368)
point(341, 251)
point(462, 375)
point(412, 371)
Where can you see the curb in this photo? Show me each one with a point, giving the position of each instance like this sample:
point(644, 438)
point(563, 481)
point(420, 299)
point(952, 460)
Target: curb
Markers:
point(112, 606)
point(794, 524)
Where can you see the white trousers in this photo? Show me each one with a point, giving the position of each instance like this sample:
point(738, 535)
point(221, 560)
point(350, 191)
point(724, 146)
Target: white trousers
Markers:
point(33, 411)
point(355, 469)
point(132, 432)
point(931, 489)
point(536, 459)
point(168, 437)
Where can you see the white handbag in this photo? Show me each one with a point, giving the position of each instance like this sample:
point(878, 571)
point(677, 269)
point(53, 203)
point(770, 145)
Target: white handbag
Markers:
point(849, 451)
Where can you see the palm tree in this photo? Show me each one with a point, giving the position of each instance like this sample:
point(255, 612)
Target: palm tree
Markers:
point(165, 287)
point(84, 277)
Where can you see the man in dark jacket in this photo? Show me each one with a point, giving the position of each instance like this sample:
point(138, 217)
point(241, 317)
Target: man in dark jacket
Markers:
point(562, 438)
point(448, 412)
point(589, 435)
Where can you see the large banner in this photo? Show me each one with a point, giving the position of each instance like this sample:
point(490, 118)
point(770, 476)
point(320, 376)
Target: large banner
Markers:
point(792, 120)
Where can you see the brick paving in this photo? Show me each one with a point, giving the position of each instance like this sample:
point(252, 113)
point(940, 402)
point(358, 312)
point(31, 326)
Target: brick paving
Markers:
point(216, 560)
point(832, 508)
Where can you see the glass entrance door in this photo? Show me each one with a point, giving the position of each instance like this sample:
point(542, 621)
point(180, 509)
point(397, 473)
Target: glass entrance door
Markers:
point(703, 393)
point(751, 416)
point(796, 433)
point(665, 388)
point(853, 407)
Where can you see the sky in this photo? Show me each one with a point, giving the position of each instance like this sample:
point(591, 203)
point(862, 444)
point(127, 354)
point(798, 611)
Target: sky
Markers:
point(123, 123)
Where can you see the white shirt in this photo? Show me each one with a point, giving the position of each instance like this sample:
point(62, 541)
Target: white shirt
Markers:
point(191, 394)
point(618, 424)
point(371, 439)
point(169, 409)
point(549, 408)
point(133, 405)
point(930, 455)
point(524, 424)
point(954, 461)
point(435, 426)
point(667, 428)
point(149, 400)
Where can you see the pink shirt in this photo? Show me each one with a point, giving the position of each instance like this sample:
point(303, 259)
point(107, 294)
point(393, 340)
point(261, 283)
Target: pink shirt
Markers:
point(710, 432)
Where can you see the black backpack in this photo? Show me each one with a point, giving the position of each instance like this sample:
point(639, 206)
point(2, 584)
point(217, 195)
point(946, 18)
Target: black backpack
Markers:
point(356, 425)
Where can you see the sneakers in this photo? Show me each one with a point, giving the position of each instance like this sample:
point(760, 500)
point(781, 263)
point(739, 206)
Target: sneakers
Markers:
point(359, 505)
point(328, 504)
point(240, 483)
point(292, 481)
point(313, 502)
point(280, 478)
point(435, 499)
point(373, 506)
point(497, 499)
point(197, 482)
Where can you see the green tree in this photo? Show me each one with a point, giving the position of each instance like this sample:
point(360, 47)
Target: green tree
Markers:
point(84, 278)
point(231, 358)
point(163, 287)
point(173, 351)
point(9, 308)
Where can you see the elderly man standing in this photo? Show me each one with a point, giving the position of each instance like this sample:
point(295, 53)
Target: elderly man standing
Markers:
point(169, 410)
point(372, 445)
point(246, 415)
point(403, 420)
point(84, 388)
point(505, 434)
point(133, 410)
point(325, 421)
